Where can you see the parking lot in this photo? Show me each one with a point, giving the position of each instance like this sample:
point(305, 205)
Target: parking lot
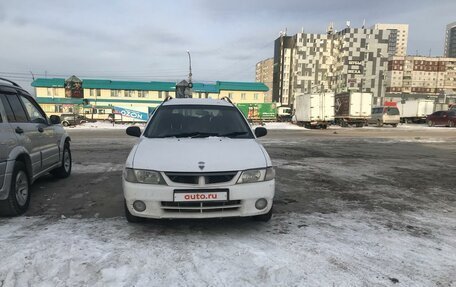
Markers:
point(353, 207)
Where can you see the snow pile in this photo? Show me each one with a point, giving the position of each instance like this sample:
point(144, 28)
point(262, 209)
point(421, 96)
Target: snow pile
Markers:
point(343, 249)
point(104, 125)
point(280, 126)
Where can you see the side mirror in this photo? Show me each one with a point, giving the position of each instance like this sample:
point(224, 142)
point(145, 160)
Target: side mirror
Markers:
point(260, 132)
point(55, 120)
point(134, 131)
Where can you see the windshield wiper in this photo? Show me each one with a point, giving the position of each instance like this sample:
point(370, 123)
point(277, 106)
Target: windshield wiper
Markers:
point(190, 135)
point(232, 134)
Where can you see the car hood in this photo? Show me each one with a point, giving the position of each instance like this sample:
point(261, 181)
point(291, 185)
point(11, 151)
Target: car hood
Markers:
point(185, 154)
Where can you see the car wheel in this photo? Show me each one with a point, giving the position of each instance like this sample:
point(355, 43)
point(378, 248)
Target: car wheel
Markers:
point(394, 125)
point(18, 199)
point(264, 217)
point(65, 123)
point(379, 124)
point(450, 124)
point(64, 170)
point(430, 123)
point(130, 217)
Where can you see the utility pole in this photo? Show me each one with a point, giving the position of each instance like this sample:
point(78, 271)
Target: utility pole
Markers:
point(189, 69)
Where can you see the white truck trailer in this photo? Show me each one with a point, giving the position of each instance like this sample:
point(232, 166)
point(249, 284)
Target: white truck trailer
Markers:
point(415, 111)
point(353, 108)
point(314, 110)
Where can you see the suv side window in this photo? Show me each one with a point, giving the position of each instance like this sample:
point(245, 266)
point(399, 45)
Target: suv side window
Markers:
point(34, 113)
point(7, 107)
point(17, 110)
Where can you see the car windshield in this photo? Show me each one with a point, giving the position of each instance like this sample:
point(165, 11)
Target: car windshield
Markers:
point(392, 111)
point(197, 121)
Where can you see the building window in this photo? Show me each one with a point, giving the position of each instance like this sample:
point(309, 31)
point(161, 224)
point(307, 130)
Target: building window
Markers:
point(98, 93)
point(230, 96)
point(255, 96)
point(51, 92)
point(128, 94)
point(143, 94)
point(242, 96)
point(115, 93)
point(160, 95)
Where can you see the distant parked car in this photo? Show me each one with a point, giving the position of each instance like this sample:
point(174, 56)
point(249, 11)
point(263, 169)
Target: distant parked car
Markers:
point(442, 118)
point(72, 119)
point(385, 115)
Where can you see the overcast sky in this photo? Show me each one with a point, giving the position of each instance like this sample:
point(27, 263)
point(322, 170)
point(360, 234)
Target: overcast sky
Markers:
point(147, 40)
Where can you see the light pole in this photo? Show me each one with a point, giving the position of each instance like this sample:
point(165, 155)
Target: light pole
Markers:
point(189, 68)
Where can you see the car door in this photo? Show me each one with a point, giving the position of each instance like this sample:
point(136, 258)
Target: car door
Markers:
point(47, 140)
point(443, 120)
point(7, 142)
point(27, 133)
point(434, 117)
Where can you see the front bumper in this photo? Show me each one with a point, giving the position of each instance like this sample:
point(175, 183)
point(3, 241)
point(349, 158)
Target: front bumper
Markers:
point(158, 198)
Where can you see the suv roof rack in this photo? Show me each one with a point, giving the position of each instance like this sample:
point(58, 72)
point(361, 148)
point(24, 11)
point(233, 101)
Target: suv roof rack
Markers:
point(227, 100)
point(11, 82)
point(167, 99)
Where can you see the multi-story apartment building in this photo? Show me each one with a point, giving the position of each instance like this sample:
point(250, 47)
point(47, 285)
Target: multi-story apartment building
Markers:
point(93, 96)
point(421, 75)
point(351, 59)
point(398, 38)
point(450, 40)
point(263, 74)
point(281, 82)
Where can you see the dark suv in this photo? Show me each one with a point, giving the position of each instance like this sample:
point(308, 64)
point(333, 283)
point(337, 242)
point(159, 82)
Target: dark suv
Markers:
point(31, 145)
point(72, 119)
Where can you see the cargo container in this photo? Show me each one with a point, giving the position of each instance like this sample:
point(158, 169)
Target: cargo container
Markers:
point(261, 112)
point(353, 108)
point(314, 110)
point(415, 111)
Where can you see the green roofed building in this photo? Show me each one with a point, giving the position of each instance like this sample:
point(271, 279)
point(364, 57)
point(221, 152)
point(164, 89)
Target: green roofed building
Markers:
point(102, 97)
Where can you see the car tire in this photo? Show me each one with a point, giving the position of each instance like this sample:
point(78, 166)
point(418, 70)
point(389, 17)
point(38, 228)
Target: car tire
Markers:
point(65, 123)
point(18, 199)
point(379, 124)
point(64, 171)
point(264, 217)
point(130, 217)
point(394, 125)
point(450, 124)
point(430, 123)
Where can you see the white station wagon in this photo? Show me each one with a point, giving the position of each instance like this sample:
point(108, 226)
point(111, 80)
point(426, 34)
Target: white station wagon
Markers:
point(198, 158)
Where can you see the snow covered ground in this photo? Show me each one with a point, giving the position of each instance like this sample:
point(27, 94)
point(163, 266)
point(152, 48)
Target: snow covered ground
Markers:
point(102, 125)
point(270, 126)
point(343, 249)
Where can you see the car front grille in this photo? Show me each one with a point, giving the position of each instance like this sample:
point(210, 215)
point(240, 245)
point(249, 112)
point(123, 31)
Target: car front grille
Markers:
point(201, 207)
point(206, 178)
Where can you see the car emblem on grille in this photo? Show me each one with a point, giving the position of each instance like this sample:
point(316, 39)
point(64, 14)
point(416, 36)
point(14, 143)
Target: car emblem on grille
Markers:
point(201, 165)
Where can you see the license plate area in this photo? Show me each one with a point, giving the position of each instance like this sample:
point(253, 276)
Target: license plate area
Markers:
point(200, 195)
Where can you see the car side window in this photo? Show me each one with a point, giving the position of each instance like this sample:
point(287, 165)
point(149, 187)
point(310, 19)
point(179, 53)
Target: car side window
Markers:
point(14, 110)
point(34, 113)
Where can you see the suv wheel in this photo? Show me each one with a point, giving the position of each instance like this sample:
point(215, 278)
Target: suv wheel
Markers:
point(19, 194)
point(65, 170)
point(130, 217)
point(264, 217)
point(430, 123)
point(65, 123)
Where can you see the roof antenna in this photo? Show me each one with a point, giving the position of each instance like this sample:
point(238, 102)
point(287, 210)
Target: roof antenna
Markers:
point(33, 76)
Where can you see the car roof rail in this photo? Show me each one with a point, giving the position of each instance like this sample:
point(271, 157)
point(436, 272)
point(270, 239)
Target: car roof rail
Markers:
point(11, 82)
point(167, 99)
point(227, 99)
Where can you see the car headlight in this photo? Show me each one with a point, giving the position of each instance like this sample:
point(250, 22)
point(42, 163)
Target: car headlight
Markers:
point(256, 175)
point(143, 176)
